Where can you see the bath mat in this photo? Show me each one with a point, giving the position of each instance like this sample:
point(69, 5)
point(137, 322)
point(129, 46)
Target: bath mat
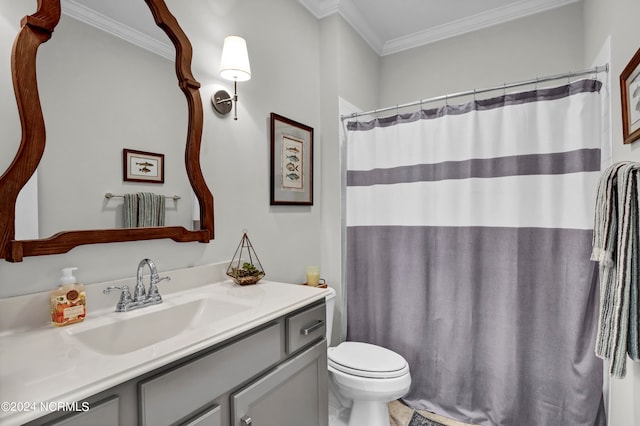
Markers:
point(401, 415)
point(419, 420)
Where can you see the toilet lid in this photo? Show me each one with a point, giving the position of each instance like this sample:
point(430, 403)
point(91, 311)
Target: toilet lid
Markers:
point(366, 360)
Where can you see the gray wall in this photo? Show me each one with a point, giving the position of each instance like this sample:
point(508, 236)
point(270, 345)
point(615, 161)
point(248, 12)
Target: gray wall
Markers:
point(349, 68)
point(83, 73)
point(618, 21)
point(283, 42)
point(538, 45)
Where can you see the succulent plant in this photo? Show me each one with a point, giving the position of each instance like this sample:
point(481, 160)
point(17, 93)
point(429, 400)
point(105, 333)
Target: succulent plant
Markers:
point(247, 270)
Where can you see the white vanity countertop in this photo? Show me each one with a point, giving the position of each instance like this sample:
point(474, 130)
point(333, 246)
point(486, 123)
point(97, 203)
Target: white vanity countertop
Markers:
point(46, 364)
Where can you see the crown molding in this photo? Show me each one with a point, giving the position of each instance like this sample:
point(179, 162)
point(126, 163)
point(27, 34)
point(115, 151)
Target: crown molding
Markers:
point(345, 8)
point(476, 22)
point(323, 8)
point(354, 17)
point(97, 20)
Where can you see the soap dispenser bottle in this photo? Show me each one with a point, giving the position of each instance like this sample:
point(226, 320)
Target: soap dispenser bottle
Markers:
point(68, 301)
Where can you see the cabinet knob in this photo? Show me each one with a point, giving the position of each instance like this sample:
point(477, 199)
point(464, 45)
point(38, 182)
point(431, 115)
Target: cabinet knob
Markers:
point(246, 421)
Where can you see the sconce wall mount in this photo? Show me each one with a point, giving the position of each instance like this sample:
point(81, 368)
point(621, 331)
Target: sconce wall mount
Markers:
point(222, 102)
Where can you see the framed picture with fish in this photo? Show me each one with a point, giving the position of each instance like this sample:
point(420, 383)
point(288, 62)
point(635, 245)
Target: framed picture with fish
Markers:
point(291, 162)
point(140, 166)
point(630, 95)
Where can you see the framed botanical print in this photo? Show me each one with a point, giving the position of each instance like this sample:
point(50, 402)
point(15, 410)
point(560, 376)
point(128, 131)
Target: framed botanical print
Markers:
point(630, 95)
point(291, 162)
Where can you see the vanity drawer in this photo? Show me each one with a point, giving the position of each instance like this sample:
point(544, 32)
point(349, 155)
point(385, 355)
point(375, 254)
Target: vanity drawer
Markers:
point(106, 412)
point(306, 327)
point(212, 416)
point(164, 399)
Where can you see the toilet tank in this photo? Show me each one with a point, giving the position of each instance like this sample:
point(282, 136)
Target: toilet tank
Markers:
point(330, 301)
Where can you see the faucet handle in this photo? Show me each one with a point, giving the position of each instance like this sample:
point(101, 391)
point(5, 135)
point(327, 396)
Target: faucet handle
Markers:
point(153, 295)
point(155, 279)
point(125, 301)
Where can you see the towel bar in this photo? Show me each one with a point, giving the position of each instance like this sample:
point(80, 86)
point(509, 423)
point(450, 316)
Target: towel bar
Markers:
point(110, 195)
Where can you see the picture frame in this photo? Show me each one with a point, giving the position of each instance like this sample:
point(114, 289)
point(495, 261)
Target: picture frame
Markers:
point(630, 97)
point(140, 166)
point(291, 180)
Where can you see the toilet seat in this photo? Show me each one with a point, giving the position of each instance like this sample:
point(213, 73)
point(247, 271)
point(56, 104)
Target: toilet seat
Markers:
point(367, 360)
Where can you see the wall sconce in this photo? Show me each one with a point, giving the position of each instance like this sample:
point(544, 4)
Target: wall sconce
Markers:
point(234, 66)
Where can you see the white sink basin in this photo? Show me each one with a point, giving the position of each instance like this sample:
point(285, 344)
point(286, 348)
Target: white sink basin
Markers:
point(147, 326)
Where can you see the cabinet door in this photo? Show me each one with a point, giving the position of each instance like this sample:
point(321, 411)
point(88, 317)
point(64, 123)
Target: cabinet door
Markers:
point(210, 417)
point(103, 413)
point(294, 394)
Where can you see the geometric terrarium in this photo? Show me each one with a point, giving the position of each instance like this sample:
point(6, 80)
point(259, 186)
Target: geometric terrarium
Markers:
point(245, 267)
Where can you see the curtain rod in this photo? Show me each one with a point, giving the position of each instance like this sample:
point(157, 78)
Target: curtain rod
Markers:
point(570, 74)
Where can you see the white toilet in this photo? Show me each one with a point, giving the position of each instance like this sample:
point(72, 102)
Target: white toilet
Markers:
point(364, 377)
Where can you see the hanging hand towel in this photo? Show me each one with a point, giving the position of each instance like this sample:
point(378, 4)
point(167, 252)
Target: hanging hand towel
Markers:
point(616, 247)
point(144, 209)
point(151, 209)
point(130, 210)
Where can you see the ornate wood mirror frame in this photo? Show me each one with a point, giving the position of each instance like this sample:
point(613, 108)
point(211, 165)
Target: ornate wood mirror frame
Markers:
point(37, 29)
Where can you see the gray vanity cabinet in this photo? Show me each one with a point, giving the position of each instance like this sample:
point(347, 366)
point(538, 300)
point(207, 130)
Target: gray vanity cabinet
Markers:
point(164, 399)
point(274, 374)
point(294, 394)
point(103, 413)
point(210, 417)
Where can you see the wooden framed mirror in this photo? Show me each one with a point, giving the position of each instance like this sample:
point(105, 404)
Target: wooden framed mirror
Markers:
point(35, 30)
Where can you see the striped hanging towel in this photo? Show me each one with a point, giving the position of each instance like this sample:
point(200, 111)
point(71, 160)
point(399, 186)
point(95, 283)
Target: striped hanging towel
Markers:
point(616, 246)
point(144, 209)
point(130, 210)
point(150, 209)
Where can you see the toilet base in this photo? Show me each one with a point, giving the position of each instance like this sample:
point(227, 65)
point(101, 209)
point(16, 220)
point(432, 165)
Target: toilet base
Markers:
point(344, 411)
point(367, 413)
point(370, 413)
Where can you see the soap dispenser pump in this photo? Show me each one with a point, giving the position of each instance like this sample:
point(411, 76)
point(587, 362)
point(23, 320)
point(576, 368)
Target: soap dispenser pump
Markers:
point(67, 276)
point(68, 301)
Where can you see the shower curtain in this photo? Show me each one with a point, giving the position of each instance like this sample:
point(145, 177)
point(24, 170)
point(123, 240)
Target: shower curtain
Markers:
point(468, 235)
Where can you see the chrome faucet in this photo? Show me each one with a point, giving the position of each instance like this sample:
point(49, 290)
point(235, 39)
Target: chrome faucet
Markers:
point(141, 296)
point(126, 302)
point(153, 295)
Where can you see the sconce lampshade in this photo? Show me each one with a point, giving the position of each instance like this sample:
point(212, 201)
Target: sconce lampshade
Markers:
point(234, 65)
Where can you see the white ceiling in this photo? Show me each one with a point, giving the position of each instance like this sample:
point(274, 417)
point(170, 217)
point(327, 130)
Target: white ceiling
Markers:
point(390, 26)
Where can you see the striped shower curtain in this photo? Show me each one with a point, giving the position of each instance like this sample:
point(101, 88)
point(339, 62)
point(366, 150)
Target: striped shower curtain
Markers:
point(469, 233)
